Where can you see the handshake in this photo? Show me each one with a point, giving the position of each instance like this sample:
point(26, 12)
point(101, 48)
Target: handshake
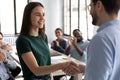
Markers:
point(72, 68)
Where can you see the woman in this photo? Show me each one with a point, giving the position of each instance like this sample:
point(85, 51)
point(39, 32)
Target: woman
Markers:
point(59, 44)
point(3, 45)
point(32, 45)
point(8, 67)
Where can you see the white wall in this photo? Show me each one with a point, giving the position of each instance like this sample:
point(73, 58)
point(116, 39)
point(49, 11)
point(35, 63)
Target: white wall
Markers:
point(54, 16)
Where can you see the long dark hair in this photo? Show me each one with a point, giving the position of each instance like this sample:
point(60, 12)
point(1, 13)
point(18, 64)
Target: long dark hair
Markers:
point(1, 34)
point(26, 22)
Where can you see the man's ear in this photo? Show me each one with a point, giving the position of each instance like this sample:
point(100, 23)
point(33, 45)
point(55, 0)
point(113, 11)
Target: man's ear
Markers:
point(99, 5)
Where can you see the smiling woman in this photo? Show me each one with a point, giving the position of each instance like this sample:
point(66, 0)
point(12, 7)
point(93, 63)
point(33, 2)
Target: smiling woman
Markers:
point(59, 44)
point(38, 17)
point(32, 45)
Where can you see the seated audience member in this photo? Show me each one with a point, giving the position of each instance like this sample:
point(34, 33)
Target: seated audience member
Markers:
point(77, 46)
point(59, 44)
point(9, 69)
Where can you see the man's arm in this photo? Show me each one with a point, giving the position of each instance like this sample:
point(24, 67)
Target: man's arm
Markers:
point(74, 68)
point(67, 51)
point(78, 50)
point(74, 42)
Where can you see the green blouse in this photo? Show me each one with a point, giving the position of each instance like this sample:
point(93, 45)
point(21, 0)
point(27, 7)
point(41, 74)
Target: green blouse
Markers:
point(38, 47)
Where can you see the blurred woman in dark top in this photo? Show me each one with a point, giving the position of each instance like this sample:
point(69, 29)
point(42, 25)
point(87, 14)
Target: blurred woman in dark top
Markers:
point(59, 44)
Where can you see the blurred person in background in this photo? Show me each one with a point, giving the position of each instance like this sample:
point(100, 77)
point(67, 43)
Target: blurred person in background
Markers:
point(59, 44)
point(77, 46)
point(8, 68)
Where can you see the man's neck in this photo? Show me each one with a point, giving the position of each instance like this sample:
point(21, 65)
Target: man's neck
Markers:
point(107, 18)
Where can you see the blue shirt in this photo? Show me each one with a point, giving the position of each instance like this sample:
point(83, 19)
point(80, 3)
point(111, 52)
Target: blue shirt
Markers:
point(3, 72)
point(10, 64)
point(104, 53)
point(83, 46)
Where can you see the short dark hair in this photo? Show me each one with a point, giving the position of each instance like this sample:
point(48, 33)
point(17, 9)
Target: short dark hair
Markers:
point(76, 30)
point(58, 29)
point(111, 6)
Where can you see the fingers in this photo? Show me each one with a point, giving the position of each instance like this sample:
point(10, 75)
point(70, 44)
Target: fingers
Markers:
point(72, 69)
point(82, 68)
point(52, 44)
point(6, 47)
point(2, 56)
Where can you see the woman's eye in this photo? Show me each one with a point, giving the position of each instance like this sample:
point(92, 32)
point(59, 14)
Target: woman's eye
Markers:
point(37, 14)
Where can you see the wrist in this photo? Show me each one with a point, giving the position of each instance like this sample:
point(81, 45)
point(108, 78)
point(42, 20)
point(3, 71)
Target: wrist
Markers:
point(6, 62)
point(75, 45)
point(63, 65)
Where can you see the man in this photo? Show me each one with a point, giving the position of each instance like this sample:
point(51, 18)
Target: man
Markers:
point(104, 49)
point(77, 46)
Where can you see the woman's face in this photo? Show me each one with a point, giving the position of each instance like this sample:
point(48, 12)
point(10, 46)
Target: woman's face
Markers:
point(58, 34)
point(38, 17)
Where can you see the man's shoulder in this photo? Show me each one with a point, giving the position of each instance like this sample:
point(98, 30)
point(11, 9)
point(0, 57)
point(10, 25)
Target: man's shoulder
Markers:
point(86, 41)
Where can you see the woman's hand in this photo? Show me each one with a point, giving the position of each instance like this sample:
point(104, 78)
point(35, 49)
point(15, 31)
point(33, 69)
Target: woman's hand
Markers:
point(6, 47)
point(3, 56)
point(72, 68)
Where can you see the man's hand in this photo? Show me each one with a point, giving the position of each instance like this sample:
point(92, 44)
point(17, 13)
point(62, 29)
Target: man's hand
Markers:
point(74, 69)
